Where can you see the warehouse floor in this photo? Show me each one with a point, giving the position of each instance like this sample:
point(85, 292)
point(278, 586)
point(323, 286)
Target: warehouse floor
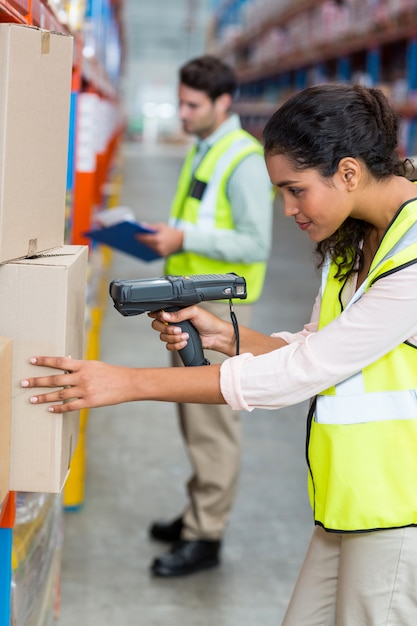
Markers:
point(137, 466)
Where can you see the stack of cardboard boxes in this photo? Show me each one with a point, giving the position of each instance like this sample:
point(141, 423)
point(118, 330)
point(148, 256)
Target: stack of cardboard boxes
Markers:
point(42, 280)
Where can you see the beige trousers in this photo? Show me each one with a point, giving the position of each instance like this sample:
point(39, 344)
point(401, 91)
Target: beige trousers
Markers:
point(212, 437)
point(357, 579)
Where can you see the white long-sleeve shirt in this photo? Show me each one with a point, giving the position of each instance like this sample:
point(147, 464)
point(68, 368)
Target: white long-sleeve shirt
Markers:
point(384, 317)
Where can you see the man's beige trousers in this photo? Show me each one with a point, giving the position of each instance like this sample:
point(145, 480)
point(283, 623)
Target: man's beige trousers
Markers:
point(212, 437)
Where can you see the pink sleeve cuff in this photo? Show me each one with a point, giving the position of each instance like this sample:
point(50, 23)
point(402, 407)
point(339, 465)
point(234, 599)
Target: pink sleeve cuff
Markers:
point(230, 384)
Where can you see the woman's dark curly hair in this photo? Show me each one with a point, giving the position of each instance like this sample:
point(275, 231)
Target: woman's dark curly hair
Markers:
point(321, 125)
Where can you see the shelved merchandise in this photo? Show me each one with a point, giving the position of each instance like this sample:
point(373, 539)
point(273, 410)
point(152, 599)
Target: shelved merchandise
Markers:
point(37, 543)
point(31, 523)
point(280, 46)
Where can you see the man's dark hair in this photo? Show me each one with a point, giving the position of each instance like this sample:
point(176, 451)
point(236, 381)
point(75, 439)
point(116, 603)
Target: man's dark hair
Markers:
point(209, 74)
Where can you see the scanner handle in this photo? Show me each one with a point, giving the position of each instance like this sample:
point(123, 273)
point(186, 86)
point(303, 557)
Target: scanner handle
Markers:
point(192, 354)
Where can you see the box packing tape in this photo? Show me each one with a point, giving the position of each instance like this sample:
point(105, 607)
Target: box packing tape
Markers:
point(45, 41)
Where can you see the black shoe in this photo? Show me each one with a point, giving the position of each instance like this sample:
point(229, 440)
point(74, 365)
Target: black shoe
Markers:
point(170, 532)
point(187, 557)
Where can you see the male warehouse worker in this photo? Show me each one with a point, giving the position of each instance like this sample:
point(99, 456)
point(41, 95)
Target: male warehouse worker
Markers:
point(221, 221)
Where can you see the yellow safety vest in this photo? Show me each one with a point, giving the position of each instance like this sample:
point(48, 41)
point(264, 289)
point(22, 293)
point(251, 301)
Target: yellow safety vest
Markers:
point(362, 433)
point(201, 203)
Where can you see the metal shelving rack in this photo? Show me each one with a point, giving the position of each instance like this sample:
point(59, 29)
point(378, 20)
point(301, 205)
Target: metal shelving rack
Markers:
point(390, 38)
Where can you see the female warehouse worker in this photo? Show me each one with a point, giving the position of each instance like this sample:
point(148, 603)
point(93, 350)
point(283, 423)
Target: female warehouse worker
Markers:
point(332, 150)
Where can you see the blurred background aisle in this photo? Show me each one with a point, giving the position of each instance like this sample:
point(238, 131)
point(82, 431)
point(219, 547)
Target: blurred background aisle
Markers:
point(159, 37)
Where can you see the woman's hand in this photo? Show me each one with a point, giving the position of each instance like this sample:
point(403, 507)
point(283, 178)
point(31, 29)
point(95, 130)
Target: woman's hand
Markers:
point(215, 334)
point(82, 384)
point(91, 384)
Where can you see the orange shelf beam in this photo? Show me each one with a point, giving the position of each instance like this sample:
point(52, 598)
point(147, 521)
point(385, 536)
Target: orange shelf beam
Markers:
point(8, 514)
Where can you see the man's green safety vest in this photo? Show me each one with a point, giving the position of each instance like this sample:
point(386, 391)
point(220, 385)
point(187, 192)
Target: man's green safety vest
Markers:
point(201, 203)
point(362, 435)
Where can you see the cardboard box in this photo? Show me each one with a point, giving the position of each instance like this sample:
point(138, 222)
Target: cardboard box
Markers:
point(35, 92)
point(43, 304)
point(5, 415)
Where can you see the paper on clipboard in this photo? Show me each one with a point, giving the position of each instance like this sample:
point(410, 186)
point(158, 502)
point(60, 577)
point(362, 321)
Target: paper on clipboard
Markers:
point(117, 228)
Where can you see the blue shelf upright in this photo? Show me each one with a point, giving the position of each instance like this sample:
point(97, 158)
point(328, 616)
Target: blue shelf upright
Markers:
point(6, 544)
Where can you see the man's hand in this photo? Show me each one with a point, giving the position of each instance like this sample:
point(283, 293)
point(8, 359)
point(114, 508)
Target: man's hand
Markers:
point(165, 241)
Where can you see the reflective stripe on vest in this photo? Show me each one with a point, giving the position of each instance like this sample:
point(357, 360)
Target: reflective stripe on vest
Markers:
point(212, 212)
point(362, 407)
point(207, 209)
point(362, 439)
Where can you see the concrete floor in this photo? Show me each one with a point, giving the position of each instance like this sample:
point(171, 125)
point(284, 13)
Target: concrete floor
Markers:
point(137, 466)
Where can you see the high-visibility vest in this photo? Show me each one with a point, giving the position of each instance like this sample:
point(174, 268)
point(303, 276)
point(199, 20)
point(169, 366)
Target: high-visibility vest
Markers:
point(201, 203)
point(362, 433)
